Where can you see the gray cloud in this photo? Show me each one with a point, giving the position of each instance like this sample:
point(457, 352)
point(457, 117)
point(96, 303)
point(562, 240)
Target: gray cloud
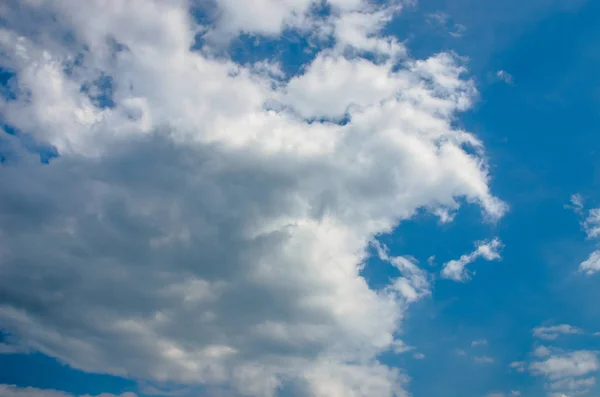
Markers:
point(190, 233)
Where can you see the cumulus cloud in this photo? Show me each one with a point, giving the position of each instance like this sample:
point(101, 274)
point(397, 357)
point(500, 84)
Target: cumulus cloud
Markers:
point(553, 332)
point(456, 269)
point(206, 222)
point(591, 226)
point(592, 264)
point(567, 373)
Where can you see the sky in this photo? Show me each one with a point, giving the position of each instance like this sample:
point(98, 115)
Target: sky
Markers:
point(298, 198)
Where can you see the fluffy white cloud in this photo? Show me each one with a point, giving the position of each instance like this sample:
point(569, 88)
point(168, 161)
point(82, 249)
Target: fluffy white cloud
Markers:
point(591, 226)
point(567, 373)
point(553, 332)
point(592, 264)
point(202, 228)
point(15, 391)
point(456, 269)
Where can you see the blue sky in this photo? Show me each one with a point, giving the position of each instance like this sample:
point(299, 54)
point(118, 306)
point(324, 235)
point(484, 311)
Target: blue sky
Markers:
point(534, 65)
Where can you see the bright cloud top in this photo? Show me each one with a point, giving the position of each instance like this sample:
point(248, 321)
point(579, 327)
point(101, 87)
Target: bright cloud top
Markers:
point(199, 226)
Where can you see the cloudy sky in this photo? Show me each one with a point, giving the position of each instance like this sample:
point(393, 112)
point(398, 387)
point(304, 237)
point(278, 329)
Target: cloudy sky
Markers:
point(299, 198)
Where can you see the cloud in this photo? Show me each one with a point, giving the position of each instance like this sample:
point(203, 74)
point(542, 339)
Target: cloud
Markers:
point(419, 356)
point(455, 269)
point(591, 226)
point(553, 332)
point(15, 391)
point(442, 20)
point(483, 360)
point(479, 342)
point(541, 351)
point(504, 76)
point(518, 366)
point(206, 222)
point(567, 372)
point(576, 203)
point(592, 264)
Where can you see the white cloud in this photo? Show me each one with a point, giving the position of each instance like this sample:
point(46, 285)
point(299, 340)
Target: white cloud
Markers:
point(442, 20)
point(504, 76)
point(15, 391)
point(541, 351)
point(567, 372)
point(483, 360)
point(419, 356)
point(518, 366)
point(576, 203)
point(479, 342)
point(202, 230)
point(455, 269)
point(591, 224)
point(553, 332)
point(592, 264)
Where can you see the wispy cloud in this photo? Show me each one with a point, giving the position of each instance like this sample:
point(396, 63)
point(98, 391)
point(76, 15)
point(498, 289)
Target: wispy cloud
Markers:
point(553, 332)
point(483, 359)
point(504, 76)
point(488, 250)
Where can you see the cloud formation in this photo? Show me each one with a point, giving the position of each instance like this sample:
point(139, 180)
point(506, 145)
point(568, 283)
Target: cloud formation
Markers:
point(591, 226)
point(206, 222)
point(456, 269)
point(553, 332)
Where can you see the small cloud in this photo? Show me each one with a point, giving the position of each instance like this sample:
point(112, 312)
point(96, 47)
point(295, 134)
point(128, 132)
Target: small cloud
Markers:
point(542, 351)
point(568, 373)
point(480, 342)
point(596, 333)
point(576, 203)
point(515, 393)
point(459, 30)
point(437, 18)
point(399, 347)
point(460, 352)
point(488, 250)
point(483, 359)
point(553, 332)
point(518, 366)
point(503, 75)
point(431, 260)
point(442, 20)
point(419, 356)
point(591, 225)
point(592, 264)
